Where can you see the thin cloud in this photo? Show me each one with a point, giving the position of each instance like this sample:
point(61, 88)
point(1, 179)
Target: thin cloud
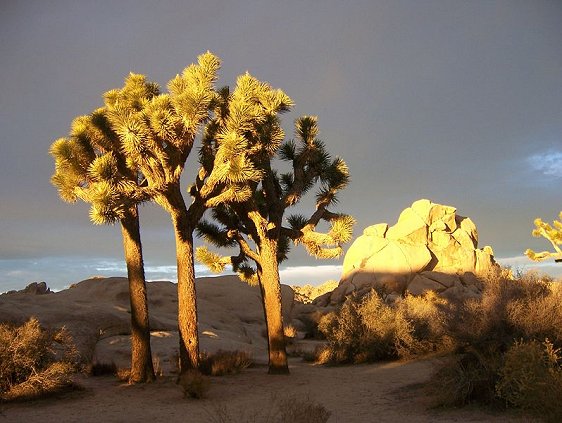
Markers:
point(525, 264)
point(549, 163)
point(313, 275)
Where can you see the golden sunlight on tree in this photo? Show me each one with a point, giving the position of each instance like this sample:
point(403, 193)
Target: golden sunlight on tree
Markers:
point(247, 126)
point(552, 234)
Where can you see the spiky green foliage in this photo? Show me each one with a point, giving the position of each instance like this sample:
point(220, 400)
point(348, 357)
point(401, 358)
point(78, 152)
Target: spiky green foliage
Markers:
point(157, 130)
point(247, 126)
point(90, 166)
point(552, 234)
point(213, 261)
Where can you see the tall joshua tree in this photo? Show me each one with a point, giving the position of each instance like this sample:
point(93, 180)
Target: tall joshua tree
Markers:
point(158, 134)
point(257, 226)
point(552, 234)
point(90, 166)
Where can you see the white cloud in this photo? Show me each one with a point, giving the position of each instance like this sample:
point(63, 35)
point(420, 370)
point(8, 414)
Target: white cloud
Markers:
point(524, 264)
point(313, 275)
point(548, 162)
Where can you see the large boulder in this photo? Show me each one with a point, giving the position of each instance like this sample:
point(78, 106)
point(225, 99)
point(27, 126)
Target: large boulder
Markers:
point(431, 247)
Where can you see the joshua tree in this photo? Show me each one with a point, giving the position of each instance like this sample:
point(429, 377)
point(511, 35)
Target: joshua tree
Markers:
point(553, 234)
point(89, 166)
point(157, 133)
point(257, 225)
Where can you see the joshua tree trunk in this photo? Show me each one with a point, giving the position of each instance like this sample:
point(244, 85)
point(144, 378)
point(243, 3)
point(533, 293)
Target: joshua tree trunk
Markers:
point(268, 274)
point(141, 356)
point(187, 303)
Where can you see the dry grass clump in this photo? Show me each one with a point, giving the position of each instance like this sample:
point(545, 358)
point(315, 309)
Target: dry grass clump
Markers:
point(194, 384)
point(291, 409)
point(35, 362)
point(224, 362)
point(368, 329)
point(290, 333)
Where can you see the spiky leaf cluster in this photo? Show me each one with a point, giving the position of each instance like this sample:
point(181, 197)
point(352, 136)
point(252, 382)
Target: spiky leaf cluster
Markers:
point(553, 234)
point(247, 124)
point(89, 166)
point(156, 130)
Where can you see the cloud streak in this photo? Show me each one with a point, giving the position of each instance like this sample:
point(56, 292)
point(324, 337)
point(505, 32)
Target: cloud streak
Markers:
point(525, 264)
point(549, 163)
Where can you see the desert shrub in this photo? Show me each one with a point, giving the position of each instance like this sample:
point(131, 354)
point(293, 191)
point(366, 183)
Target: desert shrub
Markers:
point(426, 330)
point(33, 361)
point(301, 410)
point(224, 362)
point(467, 377)
point(368, 329)
point(538, 317)
point(344, 331)
point(531, 378)
point(194, 384)
point(501, 356)
point(294, 409)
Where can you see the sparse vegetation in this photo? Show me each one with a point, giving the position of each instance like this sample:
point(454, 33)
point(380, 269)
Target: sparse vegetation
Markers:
point(507, 347)
point(368, 329)
point(505, 343)
point(224, 362)
point(531, 378)
point(194, 384)
point(34, 362)
point(279, 410)
point(290, 333)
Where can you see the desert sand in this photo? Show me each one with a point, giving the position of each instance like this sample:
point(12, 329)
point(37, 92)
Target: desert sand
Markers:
point(96, 312)
point(388, 392)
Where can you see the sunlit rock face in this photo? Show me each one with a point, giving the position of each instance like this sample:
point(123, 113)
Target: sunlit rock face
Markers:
point(431, 247)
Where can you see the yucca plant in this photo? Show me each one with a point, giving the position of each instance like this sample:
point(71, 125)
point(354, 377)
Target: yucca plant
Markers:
point(553, 234)
point(90, 166)
point(255, 223)
point(157, 134)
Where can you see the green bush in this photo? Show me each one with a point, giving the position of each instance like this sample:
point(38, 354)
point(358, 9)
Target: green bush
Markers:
point(34, 362)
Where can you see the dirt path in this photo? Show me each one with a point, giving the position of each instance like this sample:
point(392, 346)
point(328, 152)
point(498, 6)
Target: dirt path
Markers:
point(388, 392)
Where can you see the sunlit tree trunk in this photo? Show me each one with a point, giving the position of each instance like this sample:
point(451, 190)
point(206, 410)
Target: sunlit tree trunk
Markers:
point(268, 274)
point(141, 357)
point(187, 301)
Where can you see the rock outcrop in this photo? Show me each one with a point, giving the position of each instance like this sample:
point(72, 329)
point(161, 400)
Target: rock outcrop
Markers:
point(97, 314)
point(431, 247)
point(34, 288)
point(308, 293)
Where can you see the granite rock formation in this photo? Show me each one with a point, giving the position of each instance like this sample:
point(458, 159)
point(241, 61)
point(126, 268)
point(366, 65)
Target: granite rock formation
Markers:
point(431, 247)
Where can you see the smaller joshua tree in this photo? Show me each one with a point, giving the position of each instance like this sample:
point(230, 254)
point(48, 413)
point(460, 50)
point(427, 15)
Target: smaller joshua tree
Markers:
point(89, 166)
point(552, 234)
point(257, 225)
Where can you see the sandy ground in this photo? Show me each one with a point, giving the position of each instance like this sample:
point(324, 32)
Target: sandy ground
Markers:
point(387, 392)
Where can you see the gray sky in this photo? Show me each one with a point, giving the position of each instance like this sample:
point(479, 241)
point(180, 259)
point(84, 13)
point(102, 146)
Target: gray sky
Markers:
point(456, 101)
